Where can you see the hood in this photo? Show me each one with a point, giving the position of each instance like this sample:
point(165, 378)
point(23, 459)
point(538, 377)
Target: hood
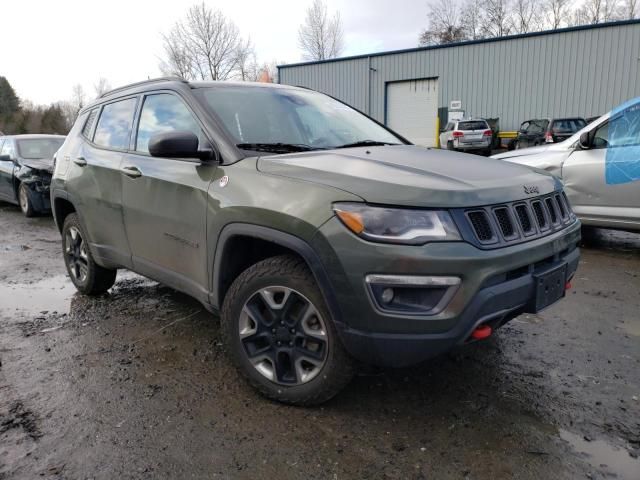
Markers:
point(548, 158)
point(523, 152)
point(412, 176)
point(39, 164)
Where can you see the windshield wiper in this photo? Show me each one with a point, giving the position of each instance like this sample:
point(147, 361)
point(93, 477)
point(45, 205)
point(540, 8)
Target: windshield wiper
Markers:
point(365, 143)
point(277, 147)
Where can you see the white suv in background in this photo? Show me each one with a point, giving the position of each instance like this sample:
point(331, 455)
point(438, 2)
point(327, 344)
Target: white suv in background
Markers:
point(467, 135)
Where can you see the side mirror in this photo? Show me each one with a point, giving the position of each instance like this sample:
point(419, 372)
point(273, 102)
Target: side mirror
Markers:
point(585, 141)
point(5, 158)
point(178, 144)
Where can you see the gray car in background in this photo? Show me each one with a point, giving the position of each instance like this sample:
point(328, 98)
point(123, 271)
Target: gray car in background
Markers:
point(600, 167)
point(473, 135)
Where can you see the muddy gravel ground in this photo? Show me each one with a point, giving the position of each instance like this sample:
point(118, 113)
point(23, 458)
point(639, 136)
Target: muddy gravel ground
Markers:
point(134, 384)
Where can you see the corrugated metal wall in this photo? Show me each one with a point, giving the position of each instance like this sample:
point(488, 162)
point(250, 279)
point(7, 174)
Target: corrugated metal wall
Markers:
point(582, 72)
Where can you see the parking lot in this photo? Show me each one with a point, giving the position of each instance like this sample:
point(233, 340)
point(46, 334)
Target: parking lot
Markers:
point(134, 384)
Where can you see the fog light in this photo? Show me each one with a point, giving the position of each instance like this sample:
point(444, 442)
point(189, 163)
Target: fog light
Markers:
point(411, 294)
point(387, 295)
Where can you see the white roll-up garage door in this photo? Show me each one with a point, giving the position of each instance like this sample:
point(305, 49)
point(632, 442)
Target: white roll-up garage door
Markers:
point(412, 110)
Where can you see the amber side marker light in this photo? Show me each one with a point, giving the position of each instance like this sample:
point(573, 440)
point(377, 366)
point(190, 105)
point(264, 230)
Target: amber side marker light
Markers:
point(353, 221)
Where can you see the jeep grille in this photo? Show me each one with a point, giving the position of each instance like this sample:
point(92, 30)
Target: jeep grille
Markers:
point(514, 222)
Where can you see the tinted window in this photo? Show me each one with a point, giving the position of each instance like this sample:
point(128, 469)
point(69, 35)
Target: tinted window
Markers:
point(35, 148)
point(475, 125)
point(569, 125)
point(163, 113)
point(114, 125)
point(283, 115)
point(88, 125)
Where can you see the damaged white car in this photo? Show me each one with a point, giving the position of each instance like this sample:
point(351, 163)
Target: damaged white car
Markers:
point(600, 167)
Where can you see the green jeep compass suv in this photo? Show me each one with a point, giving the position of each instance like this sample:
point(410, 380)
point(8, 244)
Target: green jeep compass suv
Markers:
point(320, 236)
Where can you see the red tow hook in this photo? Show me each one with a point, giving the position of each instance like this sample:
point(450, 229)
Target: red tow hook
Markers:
point(481, 332)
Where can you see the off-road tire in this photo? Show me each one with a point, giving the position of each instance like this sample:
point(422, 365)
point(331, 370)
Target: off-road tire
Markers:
point(98, 279)
point(24, 200)
point(286, 271)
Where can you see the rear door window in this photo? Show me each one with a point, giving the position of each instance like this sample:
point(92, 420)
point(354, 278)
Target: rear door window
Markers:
point(473, 125)
point(114, 125)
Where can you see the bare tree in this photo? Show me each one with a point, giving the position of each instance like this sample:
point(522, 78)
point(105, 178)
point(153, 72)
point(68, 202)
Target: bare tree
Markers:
point(629, 9)
point(71, 107)
point(596, 11)
point(78, 97)
point(497, 21)
point(472, 20)
point(179, 61)
point(445, 24)
point(247, 62)
point(526, 15)
point(320, 37)
point(557, 12)
point(204, 45)
point(101, 86)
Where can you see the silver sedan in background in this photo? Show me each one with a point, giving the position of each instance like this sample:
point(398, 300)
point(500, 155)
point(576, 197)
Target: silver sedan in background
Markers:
point(600, 167)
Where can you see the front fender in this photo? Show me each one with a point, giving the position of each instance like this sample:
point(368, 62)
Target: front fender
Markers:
point(286, 240)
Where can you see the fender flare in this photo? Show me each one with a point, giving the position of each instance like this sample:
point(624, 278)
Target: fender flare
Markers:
point(287, 240)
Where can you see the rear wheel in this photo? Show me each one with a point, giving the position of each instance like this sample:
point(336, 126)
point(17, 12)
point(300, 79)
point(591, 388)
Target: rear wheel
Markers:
point(87, 276)
point(281, 336)
point(450, 145)
point(24, 199)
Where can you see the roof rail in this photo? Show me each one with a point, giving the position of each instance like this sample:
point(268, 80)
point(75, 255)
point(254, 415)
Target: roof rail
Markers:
point(143, 82)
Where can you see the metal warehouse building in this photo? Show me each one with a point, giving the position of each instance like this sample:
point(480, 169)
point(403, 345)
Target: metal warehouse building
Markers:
point(580, 71)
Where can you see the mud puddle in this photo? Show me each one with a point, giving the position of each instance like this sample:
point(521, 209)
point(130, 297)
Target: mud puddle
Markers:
point(604, 457)
point(49, 295)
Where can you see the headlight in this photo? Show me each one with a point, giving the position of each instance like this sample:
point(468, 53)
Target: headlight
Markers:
point(396, 225)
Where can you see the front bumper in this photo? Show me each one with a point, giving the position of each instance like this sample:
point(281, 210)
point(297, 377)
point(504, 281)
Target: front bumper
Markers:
point(39, 195)
point(496, 286)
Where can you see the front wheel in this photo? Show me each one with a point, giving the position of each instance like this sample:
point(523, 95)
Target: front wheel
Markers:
point(87, 276)
point(281, 336)
point(24, 199)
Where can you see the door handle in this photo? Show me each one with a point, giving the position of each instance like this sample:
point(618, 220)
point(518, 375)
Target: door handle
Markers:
point(80, 161)
point(131, 171)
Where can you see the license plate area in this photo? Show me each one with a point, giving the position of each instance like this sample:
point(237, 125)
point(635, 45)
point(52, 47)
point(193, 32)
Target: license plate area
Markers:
point(550, 286)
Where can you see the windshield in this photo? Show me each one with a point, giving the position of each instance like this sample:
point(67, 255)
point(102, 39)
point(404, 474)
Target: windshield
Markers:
point(256, 117)
point(37, 148)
